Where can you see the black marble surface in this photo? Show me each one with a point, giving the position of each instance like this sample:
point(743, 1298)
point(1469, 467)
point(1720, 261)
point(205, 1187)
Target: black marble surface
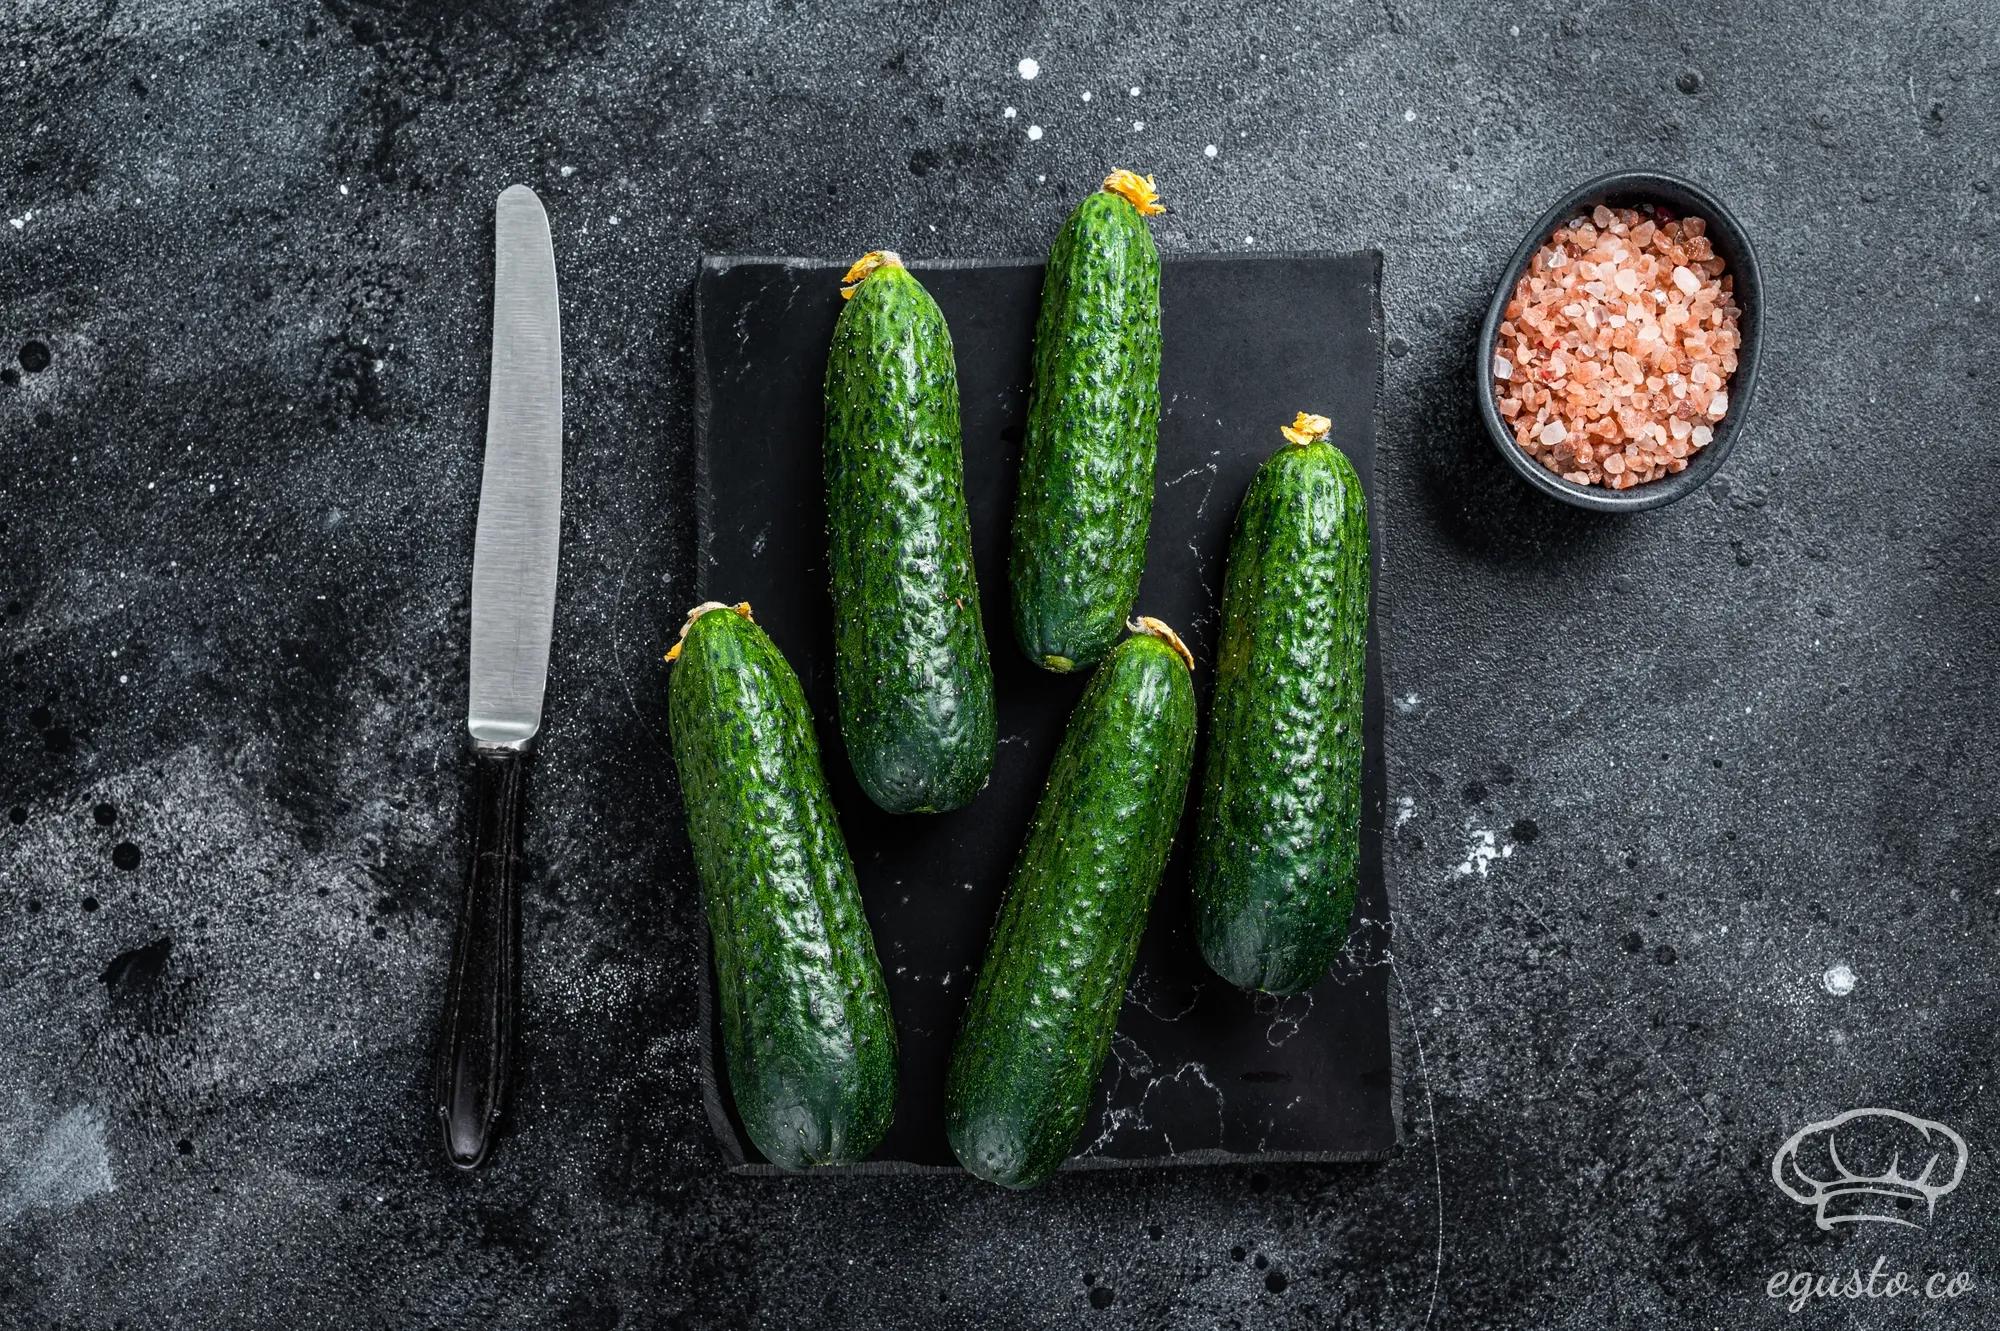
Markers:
point(1198, 1071)
point(1734, 758)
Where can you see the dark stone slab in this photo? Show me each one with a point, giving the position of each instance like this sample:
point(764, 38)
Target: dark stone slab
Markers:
point(1199, 1071)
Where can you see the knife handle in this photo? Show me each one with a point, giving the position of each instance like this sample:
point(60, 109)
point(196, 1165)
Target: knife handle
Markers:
point(476, 1047)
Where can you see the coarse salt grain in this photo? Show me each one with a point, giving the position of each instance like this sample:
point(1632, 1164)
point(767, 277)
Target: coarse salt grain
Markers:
point(1622, 332)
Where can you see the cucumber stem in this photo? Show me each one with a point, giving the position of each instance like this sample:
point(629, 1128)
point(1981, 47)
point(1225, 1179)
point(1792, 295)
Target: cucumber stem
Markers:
point(1158, 629)
point(1307, 429)
point(741, 607)
point(1137, 190)
point(865, 265)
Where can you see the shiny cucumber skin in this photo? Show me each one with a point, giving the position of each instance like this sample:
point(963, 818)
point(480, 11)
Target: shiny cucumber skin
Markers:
point(1042, 1011)
point(1086, 484)
point(911, 671)
point(806, 1028)
point(1278, 837)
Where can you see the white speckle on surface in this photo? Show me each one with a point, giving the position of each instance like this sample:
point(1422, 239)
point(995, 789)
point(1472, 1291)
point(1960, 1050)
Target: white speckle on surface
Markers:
point(1249, 240)
point(343, 189)
point(1514, 30)
point(68, 1165)
point(1408, 704)
point(1135, 92)
point(1035, 132)
point(1086, 94)
point(1029, 67)
point(1408, 115)
point(1480, 852)
point(1041, 180)
point(614, 219)
point(568, 171)
point(1138, 125)
point(1009, 113)
point(21, 223)
point(1838, 980)
point(1406, 808)
point(1209, 151)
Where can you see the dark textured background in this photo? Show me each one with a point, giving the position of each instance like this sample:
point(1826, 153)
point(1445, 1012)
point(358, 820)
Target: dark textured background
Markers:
point(1730, 745)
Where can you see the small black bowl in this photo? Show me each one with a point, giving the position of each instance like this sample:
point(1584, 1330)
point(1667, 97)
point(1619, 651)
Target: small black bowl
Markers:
point(1679, 198)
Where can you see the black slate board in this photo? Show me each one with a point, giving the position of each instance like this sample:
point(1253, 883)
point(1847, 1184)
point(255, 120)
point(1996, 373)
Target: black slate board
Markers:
point(1199, 1072)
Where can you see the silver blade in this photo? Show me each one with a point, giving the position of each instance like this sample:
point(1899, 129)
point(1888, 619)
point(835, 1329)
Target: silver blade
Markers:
point(520, 492)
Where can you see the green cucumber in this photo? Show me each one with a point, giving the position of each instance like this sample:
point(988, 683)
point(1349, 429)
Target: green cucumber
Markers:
point(1278, 838)
point(1086, 488)
point(911, 673)
point(806, 1029)
point(1041, 1015)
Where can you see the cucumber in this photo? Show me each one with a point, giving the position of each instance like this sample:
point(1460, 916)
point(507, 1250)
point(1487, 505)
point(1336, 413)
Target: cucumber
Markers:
point(1040, 1018)
point(911, 673)
point(806, 1030)
point(1278, 836)
point(1086, 487)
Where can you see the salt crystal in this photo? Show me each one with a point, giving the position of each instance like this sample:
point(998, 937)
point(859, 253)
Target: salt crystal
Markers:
point(1603, 384)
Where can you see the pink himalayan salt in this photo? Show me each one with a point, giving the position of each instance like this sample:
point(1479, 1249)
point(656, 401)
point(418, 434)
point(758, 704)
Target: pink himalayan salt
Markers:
point(1622, 333)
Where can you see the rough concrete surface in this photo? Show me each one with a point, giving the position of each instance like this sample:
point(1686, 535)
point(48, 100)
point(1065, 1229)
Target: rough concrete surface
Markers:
point(1734, 757)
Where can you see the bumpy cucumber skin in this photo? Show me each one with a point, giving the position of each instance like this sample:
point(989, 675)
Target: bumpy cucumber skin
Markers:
point(806, 1027)
point(1086, 489)
point(911, 670)
point(1042, 1012)
point(1278, 836)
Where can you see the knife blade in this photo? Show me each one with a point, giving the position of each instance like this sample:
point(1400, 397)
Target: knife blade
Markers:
point(520, 491)
point(514, 557)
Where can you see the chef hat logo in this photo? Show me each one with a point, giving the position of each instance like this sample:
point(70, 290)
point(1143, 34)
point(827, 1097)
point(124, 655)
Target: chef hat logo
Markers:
point(1870, 1166)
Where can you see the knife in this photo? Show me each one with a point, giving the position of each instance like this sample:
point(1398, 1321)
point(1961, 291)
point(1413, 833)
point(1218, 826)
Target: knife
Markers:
point(513, 612)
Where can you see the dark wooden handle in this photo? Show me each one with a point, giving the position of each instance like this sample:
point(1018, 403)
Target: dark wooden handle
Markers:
point(476, 1047)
